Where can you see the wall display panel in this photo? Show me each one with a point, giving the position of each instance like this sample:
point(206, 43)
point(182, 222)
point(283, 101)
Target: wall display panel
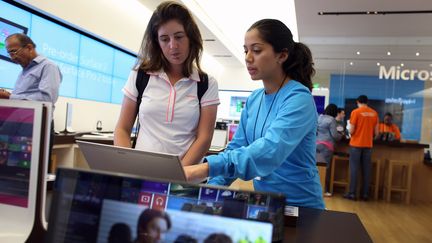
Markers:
point(123, 64)
point(381, 108)
point(68, 86)
point(88, 64)
point(9, 73)
point(391, 93)
point(96, 56)
point(93, 85)
point(54, 41)
point(7, 28)
point(12, 20)
point(14, 14)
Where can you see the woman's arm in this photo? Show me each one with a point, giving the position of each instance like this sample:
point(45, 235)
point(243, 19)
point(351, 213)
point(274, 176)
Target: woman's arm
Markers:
point(294, 121)
point(201, 145)
point(125, 123)
point(334, 132)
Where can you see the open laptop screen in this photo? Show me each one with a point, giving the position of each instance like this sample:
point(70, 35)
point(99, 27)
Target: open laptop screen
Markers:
point(16, 133)
point(95, 207)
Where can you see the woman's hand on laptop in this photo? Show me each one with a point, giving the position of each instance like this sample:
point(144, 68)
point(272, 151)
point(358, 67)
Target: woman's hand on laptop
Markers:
point(197, 172)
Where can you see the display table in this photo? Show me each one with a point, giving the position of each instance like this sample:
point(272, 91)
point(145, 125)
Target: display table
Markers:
point(413, 152)
point(315, 226)
point(66, 152)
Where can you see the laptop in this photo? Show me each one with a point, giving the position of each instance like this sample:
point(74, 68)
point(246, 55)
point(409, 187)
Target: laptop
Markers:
point(94, 206)
point(24, 129)
point(132, 161)
point(219, 139)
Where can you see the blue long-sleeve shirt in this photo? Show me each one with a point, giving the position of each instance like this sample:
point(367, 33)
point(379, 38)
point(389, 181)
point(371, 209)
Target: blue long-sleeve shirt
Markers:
point(39, 81)
point(275, 146)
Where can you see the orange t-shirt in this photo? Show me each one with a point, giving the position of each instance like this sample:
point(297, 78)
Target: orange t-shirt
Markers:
point(391, 129)
point(364, 120)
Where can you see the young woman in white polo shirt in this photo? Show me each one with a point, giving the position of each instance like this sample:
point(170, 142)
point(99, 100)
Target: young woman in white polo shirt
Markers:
point(172, 118)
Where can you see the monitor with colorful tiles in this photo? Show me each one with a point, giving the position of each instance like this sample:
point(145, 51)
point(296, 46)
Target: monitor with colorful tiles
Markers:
point(21, 159)
point(91, 206)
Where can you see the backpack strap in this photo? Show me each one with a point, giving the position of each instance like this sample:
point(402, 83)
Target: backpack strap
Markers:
point(202, 86)
point(140, 83)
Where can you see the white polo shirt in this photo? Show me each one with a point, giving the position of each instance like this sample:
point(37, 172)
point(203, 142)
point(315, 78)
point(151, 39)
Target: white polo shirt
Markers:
point(168, 114)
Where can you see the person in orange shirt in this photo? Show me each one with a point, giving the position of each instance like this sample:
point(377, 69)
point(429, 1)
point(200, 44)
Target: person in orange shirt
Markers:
point(388, 129)
point(363, 129)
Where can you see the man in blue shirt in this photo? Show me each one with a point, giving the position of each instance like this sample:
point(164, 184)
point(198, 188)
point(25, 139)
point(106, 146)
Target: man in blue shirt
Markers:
point(40, 78)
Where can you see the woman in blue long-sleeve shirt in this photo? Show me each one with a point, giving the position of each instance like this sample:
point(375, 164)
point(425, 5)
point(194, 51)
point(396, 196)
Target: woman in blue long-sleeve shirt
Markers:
point(275, 141)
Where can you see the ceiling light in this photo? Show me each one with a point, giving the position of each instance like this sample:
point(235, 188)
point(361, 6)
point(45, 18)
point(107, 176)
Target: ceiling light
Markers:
point(402, 65)
point(222, 55)
point(417, 53)
point(232, 35)
point(378, 63)
point(351, 63)
point(358, 53)
point(388, 53)
point(377, 12)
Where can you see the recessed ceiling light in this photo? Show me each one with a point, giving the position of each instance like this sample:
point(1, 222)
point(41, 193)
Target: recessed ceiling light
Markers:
point(402, 65)
point(430, 65)
point(358, 53)
point(378, 63)
point(388, 53)
point(351, 63)
point(417, 53)
point(221, 55)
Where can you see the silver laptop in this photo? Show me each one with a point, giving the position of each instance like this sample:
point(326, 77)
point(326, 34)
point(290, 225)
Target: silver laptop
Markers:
point(132, 161)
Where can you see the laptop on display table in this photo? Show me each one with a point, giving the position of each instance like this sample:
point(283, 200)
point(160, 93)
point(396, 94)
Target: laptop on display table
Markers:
point(92, 206)
point(132, 161)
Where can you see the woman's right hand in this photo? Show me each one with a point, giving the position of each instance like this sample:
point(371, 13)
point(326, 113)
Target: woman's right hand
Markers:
point(196, 173)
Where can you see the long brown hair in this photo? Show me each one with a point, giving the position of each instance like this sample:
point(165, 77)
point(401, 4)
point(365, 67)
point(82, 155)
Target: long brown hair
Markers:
point(151, 58)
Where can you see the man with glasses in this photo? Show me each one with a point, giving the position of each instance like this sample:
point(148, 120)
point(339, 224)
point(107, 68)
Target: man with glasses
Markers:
point(40, 78)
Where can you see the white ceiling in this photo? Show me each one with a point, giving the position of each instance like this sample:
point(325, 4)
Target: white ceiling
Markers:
point(334, 40)
point(223, 23)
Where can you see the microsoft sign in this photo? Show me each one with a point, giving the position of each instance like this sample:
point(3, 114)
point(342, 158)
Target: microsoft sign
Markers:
point(396, 73)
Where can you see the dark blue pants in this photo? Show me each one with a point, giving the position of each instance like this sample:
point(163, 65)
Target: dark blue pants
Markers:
point(360, 158)
point(327, 155)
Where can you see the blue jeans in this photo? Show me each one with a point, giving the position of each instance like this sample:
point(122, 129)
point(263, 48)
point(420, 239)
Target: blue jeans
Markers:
point(327, 155)
point(360, 158)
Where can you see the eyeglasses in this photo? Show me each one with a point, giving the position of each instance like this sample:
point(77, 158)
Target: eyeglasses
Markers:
point(14, 52)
